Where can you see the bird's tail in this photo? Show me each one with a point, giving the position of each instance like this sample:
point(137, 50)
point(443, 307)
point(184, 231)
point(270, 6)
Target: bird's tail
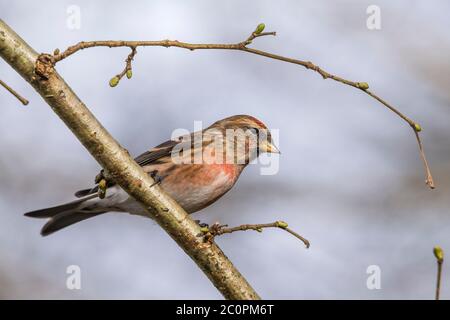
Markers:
point(65, 215)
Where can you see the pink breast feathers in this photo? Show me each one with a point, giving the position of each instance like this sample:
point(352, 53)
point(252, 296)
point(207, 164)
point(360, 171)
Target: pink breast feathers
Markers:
point(213, 171)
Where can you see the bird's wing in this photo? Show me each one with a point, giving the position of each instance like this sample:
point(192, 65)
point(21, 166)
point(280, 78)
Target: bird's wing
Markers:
point(149, 157)
point(156, 153)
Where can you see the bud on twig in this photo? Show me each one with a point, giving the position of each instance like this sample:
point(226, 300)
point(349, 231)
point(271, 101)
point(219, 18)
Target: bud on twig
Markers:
point(204, 229)
point(417, 127)
point(114, 81)
point(102, 189)
point(282, 224)
point(260, 28)
point(362, 85)
point(129, 73)
point(439, 254)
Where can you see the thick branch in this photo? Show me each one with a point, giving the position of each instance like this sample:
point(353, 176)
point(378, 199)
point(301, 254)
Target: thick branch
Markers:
point(39, 72)
point(243, 46)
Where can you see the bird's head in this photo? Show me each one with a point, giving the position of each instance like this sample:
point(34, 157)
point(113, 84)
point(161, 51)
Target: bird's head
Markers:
point(255, 137)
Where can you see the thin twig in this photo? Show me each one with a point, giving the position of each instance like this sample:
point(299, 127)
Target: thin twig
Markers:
point(218, 229)
point(126, 71)
point(439, 254)
point(242, 46)
point(438, 284)
point(14, 93)
point(428, 178)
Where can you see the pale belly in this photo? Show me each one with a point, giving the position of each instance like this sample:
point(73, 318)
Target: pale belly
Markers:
point(191, 194)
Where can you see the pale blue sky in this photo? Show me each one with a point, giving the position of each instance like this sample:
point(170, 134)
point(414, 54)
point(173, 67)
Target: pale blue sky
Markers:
point(350, 175)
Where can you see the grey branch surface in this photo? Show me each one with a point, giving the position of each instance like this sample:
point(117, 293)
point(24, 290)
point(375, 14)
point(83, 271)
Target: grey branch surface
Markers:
point(40, 73)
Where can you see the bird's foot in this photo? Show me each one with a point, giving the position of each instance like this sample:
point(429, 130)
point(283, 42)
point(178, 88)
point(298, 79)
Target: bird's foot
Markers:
point(99, 177)
point(155, 176)
point(201, 224)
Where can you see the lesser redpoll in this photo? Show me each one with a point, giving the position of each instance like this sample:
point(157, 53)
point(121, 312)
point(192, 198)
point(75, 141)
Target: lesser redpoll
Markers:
point(195, 170)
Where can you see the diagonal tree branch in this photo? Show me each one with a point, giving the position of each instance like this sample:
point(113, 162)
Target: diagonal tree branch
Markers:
point(39, 71)
point(243, 46)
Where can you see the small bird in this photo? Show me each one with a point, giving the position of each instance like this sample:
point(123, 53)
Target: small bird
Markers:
point(195, 170)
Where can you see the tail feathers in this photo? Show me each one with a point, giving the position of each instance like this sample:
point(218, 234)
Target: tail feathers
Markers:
point(52, 211)
point(66, 214)
point(66, 219)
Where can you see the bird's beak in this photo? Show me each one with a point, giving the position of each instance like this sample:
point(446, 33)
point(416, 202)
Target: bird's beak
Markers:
point(271, 148)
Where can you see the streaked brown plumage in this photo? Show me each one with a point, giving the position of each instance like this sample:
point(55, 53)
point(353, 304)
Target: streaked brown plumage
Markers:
point(193, 184)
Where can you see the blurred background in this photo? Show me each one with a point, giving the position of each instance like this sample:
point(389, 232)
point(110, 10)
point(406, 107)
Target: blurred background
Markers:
point(350, 178)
